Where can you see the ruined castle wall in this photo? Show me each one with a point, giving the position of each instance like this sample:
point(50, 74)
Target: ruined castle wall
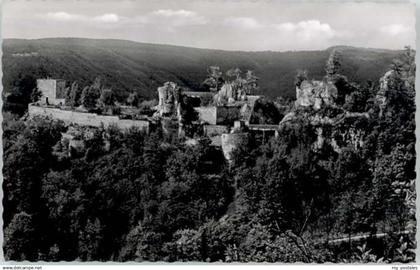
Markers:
point(219, 115)
point(214, 130)
point(60, 89)
point(169, 126)
point(231, 141)
point(86, 119)
point(47, 88)
point(129, 110)
point(207, 114)
point(51, 89)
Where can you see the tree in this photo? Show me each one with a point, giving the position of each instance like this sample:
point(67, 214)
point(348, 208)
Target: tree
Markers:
point(265, 112)
point(260, 245)
point(133, 99)
point(107, 97)
point(250, 84)
point(214, 80)
point(19, 238)
point(97, 83)
point(21, 94)
point(36, 95)
point(91, 94)
point(405, 66)
point(107, 100)
point(233, 74)
point(90, 240)
point(66, 202)
point(301, 76)
point(188, 116)
point(74, 95)
point(358, 100)
point(333, 63)
point(132, 240)
point(398, 123)
point(192, 193)
point(186, 246)
point(392, 178)
point(142, 244)
point(25, 163)
point(95, 145)
point(90, 97)
point(348, 213)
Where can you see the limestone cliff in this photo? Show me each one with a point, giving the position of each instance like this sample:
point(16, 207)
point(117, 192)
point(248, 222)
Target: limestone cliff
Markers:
point(315, 94)
point(336, 127)
point(381, 95)
point(229, 94)
point(320, 104)
point(231, 141)
point(169, 97)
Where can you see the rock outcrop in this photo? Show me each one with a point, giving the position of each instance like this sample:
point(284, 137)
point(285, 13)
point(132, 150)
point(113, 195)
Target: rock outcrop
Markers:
point(231, 141)
point(381, 95)
point(169, 97)
point(230, 93)
point(315, 94)
point(338, 131)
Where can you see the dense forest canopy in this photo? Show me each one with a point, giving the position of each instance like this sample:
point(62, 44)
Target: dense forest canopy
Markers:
point(128, 66)
point(154, 198)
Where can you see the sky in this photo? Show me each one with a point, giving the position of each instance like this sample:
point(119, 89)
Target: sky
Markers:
point(247, 25)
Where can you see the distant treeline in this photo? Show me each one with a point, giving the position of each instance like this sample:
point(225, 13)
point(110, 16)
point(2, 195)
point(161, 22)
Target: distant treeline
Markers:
point(128, 67)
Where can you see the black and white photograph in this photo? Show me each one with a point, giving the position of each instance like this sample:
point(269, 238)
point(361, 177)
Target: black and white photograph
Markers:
point(209, 131)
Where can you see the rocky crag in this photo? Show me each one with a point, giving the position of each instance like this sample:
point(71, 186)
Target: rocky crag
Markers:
point(323, 106)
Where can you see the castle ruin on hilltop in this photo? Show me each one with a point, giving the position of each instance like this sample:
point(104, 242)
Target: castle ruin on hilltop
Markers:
point(223, 114)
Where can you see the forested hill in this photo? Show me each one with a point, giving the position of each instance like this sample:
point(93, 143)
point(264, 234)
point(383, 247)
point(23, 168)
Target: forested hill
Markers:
point(129, 66)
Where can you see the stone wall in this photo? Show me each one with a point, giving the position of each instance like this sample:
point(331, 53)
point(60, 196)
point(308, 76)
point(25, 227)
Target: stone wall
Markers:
point(60, 90)
point(219, 115)
point(169, 96)
point(52, 91)
point(214, 130)
point(231, 141)
point(129, 110)
point(207, 114)
point(169, 126)
point(86, 119)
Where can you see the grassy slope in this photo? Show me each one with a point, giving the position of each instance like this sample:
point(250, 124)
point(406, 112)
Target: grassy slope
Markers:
point(130, 66)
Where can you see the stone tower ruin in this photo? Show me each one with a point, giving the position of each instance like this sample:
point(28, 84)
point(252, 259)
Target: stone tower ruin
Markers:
point(169, 95)
point(53, 91)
